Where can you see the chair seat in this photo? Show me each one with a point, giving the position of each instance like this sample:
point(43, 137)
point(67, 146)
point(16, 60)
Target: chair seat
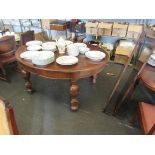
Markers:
point(147, 112)
point(6, 60)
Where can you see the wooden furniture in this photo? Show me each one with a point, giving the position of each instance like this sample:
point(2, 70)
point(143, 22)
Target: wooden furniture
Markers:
point(146, 114)
point(7, 54)
point(7, 120)
point(148, 77)
point(42, 36)
point(145, 74)
point(111, 102)
point(26, 36)
point(84, 68)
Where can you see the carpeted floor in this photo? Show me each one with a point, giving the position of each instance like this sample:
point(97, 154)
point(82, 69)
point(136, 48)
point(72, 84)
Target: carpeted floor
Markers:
point(47, 110)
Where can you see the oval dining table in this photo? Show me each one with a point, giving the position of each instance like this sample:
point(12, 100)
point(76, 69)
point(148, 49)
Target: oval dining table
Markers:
point(84, 68)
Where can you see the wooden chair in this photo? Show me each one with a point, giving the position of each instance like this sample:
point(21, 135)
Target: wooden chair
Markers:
point(42, 36)
point(111, 103)
point(27, 36)
point(146, 113)
point(7, 120)
point(7, 54)
point(145, 74)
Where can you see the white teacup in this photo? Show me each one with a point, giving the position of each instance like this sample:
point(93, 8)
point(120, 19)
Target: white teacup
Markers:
point(72, 50)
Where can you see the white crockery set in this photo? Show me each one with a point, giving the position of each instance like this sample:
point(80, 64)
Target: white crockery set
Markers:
point(47, 56)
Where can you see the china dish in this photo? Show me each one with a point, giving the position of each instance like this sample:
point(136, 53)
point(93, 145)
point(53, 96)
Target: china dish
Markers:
point(67, 60)
point(80, 44)
point(49, 47)
point(72, 50)
point(95, 55)
point(34, 48)
point(28, 55)
point(68, 42)
point(83, 50)
point(43, 58)
point(151, 60)
point(38, 57)
point(49, 43)
point(34, 42)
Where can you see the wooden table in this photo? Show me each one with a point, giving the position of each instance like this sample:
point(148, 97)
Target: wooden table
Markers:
point(84, 68)
point(148, 77)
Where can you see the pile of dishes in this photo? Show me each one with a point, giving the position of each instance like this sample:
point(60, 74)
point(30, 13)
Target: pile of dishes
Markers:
point(151, 60)
point(43, 58)
point(34, 45)
point(38, 57)
point(49, 46)
point(95, 55)
point(67, 60)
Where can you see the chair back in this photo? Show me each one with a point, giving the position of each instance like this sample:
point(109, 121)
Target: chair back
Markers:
point(7, 120)
point(7, 44)
point(26, 36)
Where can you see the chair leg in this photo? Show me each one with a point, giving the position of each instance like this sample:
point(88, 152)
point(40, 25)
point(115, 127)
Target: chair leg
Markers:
point(151, 130)
point(128, 93)
point(134, 118)
point(3, 76)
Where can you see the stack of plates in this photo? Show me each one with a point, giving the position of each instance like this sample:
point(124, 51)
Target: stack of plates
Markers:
point(67, 60)
point(151, 60)
point(34, 48)
point(34, 45)
point(38, 57)
point(34, 42)
point(50, 46)
point(28, 55)
point(95, 55)
point(68, 42)
point(43, 58)
point(80, 44)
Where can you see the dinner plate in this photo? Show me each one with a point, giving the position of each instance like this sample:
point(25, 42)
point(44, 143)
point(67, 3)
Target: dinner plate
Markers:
point(80, 44)
point(50, 46)
point(95, 55)
point(68, 42)
point(150, 62)
point(43, 58)
point(49, 43)
point(34, 42)
point(67, 60)
point(28, 55)
point(34, 48)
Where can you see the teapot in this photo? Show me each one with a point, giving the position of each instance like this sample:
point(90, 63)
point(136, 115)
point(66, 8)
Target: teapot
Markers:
point(61, 45)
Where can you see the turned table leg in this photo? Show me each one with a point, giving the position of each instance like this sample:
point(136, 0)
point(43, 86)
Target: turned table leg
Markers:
point(74, 90)
point(26, 77)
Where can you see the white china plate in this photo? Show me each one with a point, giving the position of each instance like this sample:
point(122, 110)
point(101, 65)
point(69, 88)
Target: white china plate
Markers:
point(50, 46)
point(83, 50)
point(151, 60)
point(34, 48)
point(49, 43)
point(68, 42)
point(28, 55)
point(49, 49)
point(67, 60)
point(34, 42)
point(43, 58)
point(151, 63)
point(95, 55)
point(80, 44)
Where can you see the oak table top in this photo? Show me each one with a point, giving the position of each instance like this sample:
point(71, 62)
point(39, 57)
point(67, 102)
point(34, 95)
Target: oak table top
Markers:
point(84, 68)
